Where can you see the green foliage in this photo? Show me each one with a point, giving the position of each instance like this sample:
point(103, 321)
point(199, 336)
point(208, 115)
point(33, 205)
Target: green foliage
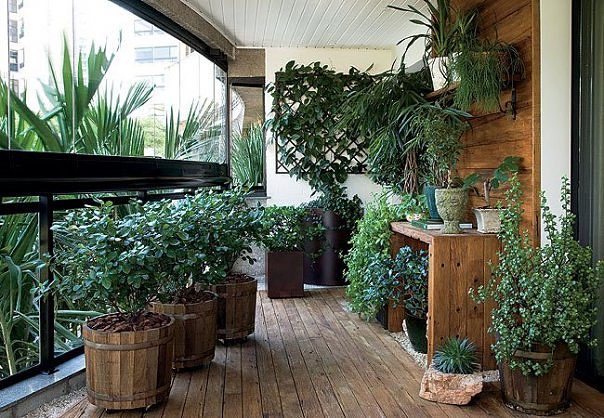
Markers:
point(456, 356)
point(546, 294)
point(412, 271)
point(307, 106)
point(247, 156)
point(368, 263)
point(382, 112)
point(335, 199)
point(482, 68)
point(500, 175)
point(283, 228)
point(109, 260)
point(439, 130)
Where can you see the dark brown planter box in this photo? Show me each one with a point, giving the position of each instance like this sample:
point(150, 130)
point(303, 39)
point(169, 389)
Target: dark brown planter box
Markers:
point(284, 274)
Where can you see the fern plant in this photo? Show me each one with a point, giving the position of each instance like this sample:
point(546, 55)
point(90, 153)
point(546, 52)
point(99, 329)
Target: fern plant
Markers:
point(456, 356)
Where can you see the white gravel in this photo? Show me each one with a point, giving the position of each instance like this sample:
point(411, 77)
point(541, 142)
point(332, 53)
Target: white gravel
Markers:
point(58, 406)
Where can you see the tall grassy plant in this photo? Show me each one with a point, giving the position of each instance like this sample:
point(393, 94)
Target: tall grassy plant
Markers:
point(247, 156)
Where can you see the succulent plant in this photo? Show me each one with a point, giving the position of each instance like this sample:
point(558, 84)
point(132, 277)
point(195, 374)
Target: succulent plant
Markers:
point(456, 356)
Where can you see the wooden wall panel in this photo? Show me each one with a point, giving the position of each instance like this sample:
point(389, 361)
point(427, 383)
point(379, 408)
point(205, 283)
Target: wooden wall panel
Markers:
point(495, 136)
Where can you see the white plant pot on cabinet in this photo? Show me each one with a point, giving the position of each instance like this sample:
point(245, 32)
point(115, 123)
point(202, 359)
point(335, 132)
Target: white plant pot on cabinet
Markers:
point(488, 220)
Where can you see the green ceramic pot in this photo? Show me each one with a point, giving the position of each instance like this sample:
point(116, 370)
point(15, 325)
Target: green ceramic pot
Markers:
point(451, 204)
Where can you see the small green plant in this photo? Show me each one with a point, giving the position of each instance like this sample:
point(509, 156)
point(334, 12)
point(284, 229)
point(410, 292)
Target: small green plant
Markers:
point(110, 262)
point(545, 295)
point(412, 270)
point(247, 156)
point(508, 167)
point(283, 228)
point(334, 198)
point(456, 356)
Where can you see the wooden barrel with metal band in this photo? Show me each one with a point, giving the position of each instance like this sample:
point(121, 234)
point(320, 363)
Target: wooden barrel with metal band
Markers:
point(194, 331)
point(128, 370)
point(236, 309)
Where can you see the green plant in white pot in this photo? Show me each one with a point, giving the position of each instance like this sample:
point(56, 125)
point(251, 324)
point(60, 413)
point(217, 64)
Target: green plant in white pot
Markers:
point(544, 306)
point(488, 217)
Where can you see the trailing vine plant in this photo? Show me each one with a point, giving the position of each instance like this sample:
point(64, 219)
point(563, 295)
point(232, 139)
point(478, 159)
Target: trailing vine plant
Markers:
point(545, 295)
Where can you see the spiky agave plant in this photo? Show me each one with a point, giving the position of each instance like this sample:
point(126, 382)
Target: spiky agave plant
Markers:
point(247, 156)
point(456, 356)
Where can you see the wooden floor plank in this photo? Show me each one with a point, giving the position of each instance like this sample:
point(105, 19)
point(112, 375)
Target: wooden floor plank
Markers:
point(290, 402)
point(312, 357)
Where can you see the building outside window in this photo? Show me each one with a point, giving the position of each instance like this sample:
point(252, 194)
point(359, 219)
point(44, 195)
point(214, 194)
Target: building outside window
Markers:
point(156, 54)
point(13, 31)
point(13, 60)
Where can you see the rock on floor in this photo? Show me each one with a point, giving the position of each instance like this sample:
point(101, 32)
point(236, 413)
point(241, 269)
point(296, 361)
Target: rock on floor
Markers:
point(455, 389)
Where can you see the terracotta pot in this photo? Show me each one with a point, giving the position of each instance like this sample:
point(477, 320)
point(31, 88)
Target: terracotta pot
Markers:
point(284, 274)
point(194, 331)
point(128, 370)
point(487, 220)
point(540, 395)
point(451, 204)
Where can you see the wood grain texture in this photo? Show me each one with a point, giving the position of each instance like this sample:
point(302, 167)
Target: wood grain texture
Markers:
point(495, 136)
point(236, 309)
point(324, 355)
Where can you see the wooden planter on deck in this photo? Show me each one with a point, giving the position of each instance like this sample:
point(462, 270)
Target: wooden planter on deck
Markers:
point(284, 274)
point(128, 370)
point(194, 331)
point(236, 309)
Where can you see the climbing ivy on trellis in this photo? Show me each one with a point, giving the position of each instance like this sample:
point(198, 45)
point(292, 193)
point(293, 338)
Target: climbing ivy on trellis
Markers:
point(308, 103)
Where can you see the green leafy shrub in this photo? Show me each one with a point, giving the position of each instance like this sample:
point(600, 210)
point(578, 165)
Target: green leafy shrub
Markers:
point(368, 264)
point(334, 198)
point(456, 356)
point(545, 295)
point(283, 228)
point(109, 262)
point(412, 271)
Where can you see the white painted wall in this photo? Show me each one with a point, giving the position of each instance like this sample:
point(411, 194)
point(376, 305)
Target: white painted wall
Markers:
point(556, 85)
point(283, 189)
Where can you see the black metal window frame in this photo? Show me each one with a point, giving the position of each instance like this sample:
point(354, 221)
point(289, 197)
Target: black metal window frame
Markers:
point(582, 146)
point(48, 175)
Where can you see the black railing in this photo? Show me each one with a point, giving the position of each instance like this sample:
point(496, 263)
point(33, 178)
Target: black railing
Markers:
point(49, 175)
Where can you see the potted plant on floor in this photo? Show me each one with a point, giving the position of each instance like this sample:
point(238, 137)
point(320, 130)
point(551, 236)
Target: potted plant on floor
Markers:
point(411, 269)
point(452, 376)
point(283, 234)
point(231, 227)
point(183, 250)
point(109, 263)
point(336, 214)
point(545, 306)
point(488, 217)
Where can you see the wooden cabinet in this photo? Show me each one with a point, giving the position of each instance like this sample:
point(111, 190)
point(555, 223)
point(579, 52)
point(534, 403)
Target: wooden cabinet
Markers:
point(457, 263)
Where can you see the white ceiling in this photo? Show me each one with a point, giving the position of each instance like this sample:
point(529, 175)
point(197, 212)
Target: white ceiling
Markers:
point(309, 23)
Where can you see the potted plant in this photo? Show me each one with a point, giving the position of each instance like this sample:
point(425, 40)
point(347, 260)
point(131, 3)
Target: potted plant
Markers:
point(411, 269)
point(440, 130)
point(231, 226)
point(283, 235)
point(544, 306)
point(336, 215)
point(445, 28)
point(452, 376)
point(488, 217)
point(109, 263)
point(183, 249)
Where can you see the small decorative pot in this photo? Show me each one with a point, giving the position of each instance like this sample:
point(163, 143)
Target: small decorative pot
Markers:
point(431, 202)
point(451, 204)
point(487, 220)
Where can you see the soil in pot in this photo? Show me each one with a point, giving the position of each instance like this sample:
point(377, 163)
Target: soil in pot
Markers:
point(284, 274)
point(236, 317)
point(416, 331)
point(139, 357)
point(540, 395)
point(194, 329)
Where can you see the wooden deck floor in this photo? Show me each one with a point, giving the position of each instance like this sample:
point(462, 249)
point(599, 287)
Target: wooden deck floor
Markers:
point(312, 358)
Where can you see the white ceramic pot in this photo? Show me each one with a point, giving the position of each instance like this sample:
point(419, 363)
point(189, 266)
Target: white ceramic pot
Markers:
point(440, 72)
point(487, 220)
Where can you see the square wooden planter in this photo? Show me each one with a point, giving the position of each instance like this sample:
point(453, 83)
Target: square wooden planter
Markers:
point(285, 274)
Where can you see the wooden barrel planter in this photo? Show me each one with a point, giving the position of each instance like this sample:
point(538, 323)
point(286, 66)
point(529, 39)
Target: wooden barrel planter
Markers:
point(194, 331)
point(540, 395)
point(236, 308)
point(128, 370)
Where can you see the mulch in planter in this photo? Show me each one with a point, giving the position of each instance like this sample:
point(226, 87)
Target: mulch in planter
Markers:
point(191, 295)
point(233, 278)
point(118, 322)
